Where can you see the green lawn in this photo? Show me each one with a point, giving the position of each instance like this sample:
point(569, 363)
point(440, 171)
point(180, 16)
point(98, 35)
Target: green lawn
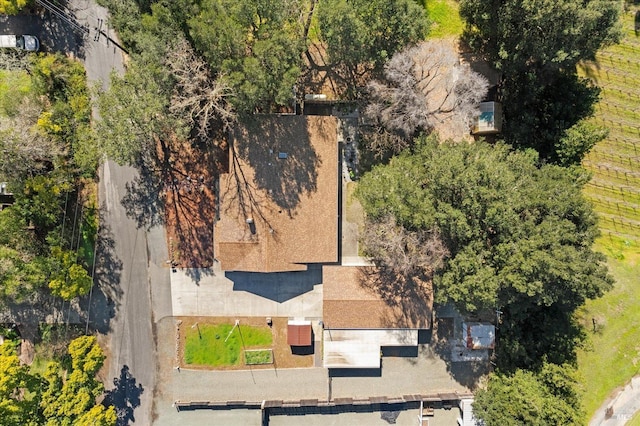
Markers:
point(205, 344)
point(445, 16)
point(14, 85)
point(635, 421)
point(612, 354)
point(39, 364)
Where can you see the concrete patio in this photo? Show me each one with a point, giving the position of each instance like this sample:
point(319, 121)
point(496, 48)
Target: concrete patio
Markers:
point(213, 292)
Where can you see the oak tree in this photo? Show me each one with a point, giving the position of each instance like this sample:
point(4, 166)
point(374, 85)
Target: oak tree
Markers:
point(536, 44)
point(362, 35)
point(532, 398)
point(519, 236)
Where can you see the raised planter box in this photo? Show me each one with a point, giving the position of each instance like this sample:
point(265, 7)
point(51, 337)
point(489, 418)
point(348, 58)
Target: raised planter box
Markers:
point(258, 356)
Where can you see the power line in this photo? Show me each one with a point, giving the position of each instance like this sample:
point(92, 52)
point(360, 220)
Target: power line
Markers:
point(67, 16)
point(62, 15)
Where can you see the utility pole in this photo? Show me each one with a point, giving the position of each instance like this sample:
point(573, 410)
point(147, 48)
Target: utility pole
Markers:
point(198, 327)
point(237, 324)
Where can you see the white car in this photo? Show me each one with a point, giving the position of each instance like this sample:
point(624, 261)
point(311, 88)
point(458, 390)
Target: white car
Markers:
point(23, 42)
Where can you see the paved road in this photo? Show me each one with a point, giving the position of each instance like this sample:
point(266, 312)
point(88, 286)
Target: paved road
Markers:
point(121, 303)
point(62, 31)
point(100, 53)
point(624, 404)
point(132, 363)
point(130, 339)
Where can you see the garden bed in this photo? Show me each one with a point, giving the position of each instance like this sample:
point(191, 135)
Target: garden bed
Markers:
point(258, 356)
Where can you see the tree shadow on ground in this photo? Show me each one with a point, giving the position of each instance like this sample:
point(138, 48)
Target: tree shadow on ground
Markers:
point(66, 35)
point(125, 396)
point(142, 201)
point(283, 159)
point(444, 340)
point(187, 184)
point(197, 274)
point(106, 293)
point(54, 34)
point(338, 81)
point(32, 311)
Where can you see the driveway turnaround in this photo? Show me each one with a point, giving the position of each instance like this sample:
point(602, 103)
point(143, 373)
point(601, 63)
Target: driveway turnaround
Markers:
point(622, 406)
point(426, 373)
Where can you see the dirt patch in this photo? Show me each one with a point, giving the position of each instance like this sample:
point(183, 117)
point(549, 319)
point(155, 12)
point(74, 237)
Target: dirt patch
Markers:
point(190, 201)
point(27, 352)
point(282, 353)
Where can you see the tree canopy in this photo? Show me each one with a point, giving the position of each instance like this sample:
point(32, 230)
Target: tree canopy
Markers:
point(64, 395)
point(15, 377)
point(519, 235)
point(548, 397)
point(539, 36)
point(256, 45)
point(423, 85)
point(12, 7)
point(537, 44)
point(68, 399)
point(46, 142)
point(362, 35)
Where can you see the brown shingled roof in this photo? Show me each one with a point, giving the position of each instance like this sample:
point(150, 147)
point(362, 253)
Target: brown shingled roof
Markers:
point(359, 297)
point(284, 177)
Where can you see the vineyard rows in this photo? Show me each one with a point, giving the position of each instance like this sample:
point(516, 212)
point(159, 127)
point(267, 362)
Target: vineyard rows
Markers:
point(614, 188)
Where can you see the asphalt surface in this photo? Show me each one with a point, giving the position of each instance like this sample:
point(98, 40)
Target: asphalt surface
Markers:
point(54, 33)
point(425, 373)
point(100, 50)
point(622, 406)
point(121, 304)
point(79, 30)
point(132, 361)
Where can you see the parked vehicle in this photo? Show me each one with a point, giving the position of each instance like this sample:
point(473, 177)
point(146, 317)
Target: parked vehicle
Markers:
point(22, 42)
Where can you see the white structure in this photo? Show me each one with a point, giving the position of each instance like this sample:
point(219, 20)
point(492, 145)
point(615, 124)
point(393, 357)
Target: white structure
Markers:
point(489, 122)
point(21, 42)
point(479, 335)
point(466, 411)
point(361, 348)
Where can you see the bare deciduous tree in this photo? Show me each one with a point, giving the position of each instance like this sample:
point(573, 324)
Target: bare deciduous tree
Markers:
point(381, 142)
point(425, 85)
point(406, 252)
point(198, 98)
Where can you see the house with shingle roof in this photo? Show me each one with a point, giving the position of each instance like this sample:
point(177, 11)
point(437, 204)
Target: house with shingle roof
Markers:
point(279, 200)
point(280, 211)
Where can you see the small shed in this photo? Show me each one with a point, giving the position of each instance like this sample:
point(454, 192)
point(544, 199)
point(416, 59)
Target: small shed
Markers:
point(479, 335)
point(299, 333)
point(489, 122)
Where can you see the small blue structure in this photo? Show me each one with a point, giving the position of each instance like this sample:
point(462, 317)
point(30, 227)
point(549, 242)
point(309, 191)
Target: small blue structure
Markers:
point(489, 122)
